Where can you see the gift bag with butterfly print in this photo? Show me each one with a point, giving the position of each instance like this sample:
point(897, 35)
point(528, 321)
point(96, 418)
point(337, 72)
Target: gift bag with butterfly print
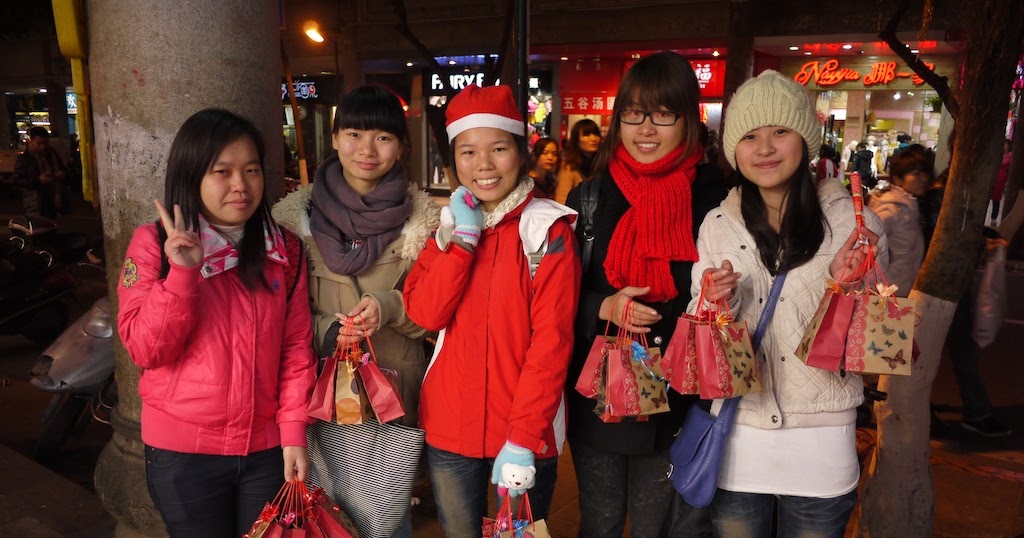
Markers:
point(636, 387)
point(881, 336)
point(722, 351)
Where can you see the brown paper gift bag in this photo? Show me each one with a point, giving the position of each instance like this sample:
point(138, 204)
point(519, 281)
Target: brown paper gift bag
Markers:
point(881, 335)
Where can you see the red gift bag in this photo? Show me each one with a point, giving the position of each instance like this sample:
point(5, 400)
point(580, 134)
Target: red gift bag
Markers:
point(295, 513)
point(321, 404)
point(824, 342)
point(635, 387)
point(591, 378)
point(679, 363)
point(382, 392)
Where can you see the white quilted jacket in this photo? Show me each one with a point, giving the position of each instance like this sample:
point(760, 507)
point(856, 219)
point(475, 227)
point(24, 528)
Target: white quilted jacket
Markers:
point(794, 395)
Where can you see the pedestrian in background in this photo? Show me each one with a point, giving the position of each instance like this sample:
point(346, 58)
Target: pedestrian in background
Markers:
point(364, 223)
point(578, 157)
point(504, 299)
point(217, 316)
point(39, 172)
point(791, 456)
point(652, 194)
point(545, 164)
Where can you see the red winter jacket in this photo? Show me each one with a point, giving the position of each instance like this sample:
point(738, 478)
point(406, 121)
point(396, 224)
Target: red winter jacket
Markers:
point(225, 370)
point(500, 368)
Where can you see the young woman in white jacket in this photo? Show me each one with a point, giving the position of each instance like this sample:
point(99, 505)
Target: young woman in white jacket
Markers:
point(792, 450)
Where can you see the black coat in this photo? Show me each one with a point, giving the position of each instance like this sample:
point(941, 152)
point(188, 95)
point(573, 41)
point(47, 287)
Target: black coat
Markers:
point(708, 191)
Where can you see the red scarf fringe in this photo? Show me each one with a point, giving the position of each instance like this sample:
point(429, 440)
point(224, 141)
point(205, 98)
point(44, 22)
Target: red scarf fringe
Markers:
point(658, 226)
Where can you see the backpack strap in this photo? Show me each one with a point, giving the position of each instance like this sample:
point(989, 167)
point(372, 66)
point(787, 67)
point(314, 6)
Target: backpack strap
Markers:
point(589, 193)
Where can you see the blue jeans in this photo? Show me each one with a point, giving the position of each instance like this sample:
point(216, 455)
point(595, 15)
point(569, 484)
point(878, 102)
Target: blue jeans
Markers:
point(749, 515)
point(460, 490)
point(206, 496)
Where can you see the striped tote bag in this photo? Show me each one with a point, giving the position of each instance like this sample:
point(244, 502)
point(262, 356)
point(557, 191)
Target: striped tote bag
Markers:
point(368, 469)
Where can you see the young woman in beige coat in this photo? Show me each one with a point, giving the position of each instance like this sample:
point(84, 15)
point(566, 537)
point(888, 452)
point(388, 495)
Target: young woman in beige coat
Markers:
point(364, 223)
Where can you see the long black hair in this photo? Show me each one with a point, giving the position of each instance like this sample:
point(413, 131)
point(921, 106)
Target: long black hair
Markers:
point(802, 229)
point(574, 157)
point(199, 142)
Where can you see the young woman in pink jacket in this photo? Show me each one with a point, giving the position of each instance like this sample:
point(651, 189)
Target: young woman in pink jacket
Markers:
point(220, 325)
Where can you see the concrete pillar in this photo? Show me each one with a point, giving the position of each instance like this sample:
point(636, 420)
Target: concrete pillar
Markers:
point(153, 64)
point(856, 107)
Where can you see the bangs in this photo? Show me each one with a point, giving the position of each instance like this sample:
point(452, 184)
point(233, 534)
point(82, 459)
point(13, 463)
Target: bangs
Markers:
point(652, 89)
point(590, 130)
point(371, 109)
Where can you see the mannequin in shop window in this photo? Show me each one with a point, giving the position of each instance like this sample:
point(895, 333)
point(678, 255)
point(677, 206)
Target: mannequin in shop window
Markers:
point(578, 162)
point(849, 150)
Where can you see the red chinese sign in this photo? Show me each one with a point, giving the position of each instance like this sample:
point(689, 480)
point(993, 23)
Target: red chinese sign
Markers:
point(828, 73)
point(710, 76)
point(587, 103)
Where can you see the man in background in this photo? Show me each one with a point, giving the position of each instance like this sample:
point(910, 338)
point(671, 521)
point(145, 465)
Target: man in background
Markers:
point(39, 173)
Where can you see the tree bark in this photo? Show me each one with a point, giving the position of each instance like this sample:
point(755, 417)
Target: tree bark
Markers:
point(898, 493)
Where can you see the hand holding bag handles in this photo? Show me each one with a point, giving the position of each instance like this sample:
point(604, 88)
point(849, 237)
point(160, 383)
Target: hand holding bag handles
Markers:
point(697, 452)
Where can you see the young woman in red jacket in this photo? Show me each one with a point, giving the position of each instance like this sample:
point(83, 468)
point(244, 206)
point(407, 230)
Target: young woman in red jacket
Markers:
point(500, 281)
point(222, 332)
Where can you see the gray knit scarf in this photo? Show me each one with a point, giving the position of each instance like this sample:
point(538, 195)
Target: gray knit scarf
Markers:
point(350, 230)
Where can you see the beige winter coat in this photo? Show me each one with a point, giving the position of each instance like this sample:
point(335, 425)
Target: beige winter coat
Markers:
point(794, 395)
point(398, 344)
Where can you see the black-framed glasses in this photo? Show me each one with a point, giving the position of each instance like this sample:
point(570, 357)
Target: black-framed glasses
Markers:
point(661, 118)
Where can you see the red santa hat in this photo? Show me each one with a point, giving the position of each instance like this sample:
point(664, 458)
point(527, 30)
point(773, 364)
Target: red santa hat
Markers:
point(492, 106)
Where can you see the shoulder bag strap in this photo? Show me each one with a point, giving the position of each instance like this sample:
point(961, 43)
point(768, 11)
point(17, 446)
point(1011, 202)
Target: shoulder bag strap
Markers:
point(730, 405)
point(589, 192)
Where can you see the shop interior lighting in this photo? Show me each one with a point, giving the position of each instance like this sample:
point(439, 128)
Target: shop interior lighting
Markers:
point(408, 64)
point(807, 53)
point(914, 51)
point(896, 96)
point(42, 90)
point(312, 30)
point(847, 46)
point(715, 54)
point(565, 58)
point(794, 47)
point(910, 94)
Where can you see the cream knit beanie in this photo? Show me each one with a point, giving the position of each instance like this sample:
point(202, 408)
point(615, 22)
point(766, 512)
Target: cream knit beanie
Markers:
point(770, 99)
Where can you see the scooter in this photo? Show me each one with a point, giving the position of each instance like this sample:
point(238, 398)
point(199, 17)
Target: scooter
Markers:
point(32, 291)
point(78, 368)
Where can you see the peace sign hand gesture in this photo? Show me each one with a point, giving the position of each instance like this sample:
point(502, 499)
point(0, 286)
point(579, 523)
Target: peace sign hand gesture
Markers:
point(183, 247)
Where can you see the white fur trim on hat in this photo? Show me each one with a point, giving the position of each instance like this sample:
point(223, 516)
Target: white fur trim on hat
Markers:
point(770, 99)
point(472, 121)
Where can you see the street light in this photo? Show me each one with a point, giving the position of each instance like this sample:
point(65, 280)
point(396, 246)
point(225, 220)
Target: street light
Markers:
point(312, 30)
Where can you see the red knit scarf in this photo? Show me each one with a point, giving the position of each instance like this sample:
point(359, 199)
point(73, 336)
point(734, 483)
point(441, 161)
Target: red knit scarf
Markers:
point(658, 226)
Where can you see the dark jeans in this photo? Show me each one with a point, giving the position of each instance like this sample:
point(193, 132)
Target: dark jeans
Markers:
point(204, 496)
point(964, 354)
point(610, 485)
point(749, 515)
point(460, 490)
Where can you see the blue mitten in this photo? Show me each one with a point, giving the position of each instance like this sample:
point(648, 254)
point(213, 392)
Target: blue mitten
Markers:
point(469, 219)
point(513, 469)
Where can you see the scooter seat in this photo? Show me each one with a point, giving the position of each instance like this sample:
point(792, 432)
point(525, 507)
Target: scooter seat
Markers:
point(30, 226)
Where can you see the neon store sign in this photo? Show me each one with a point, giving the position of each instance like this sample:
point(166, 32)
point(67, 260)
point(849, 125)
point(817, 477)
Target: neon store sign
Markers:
point(829, 73)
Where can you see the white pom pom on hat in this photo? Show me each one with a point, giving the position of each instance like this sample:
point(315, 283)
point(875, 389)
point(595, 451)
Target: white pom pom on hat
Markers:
point(492, 106)
point(770, 99)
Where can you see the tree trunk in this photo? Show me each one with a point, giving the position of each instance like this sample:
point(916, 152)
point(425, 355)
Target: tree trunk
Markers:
point(898, 493)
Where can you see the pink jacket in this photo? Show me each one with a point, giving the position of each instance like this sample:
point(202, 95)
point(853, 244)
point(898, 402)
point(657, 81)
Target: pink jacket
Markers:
point(225, 370)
